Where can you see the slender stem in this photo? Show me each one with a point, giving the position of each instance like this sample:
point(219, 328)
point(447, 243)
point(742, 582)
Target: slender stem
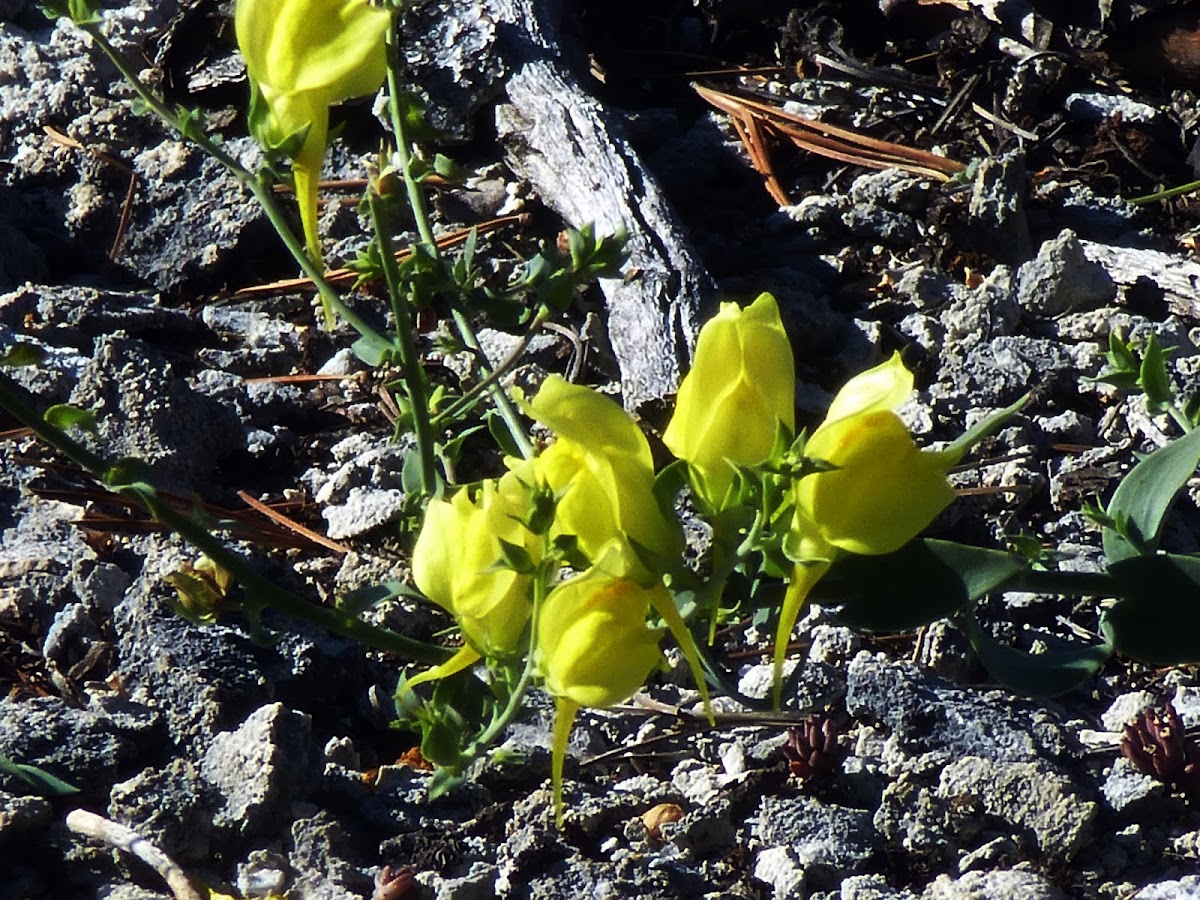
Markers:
point(515, 701)
point(261, 192)
point(416, 198)
point(414, 373)
point(1166, 194)
point(504, 405)
point(464, 403)
point(192, 531)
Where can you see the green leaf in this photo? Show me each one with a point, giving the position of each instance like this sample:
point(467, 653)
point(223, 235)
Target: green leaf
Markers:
point(40, 781)
point(922, 582)
point(1158, 619)
point(515, 557)
point(983, 428)
point(372, 351)
point(1061, 668)
point(20, 354)
point(1153, 377)
point(65, 417)
point(1142, 499)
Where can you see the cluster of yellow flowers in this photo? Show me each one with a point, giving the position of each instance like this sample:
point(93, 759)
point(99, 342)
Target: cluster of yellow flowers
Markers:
point(863, 487)
point(487, 557)
point(867, 488)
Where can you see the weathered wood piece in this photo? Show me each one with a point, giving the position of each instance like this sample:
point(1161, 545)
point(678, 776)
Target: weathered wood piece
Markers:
point(1177, 276)
point(576, 155)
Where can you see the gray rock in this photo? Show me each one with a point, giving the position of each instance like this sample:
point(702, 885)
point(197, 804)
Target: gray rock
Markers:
point(828, 841)
point(186, 187)
point(363, 510)
point(702, 832)
point(82, 747)
point(170, 806)
point(259, 769)
point(927, 714)
point(1061, 279)
point(920, 824)
point(989, 311)
point(264, 873)
point(1128, 791)
point(891, 189)
point(778, 867)
point(479, 883)
point(20, 815)
point(832, 645)
point(997, 207)
point(201, 678)
point(1031, 797)
point(1185, 888)
point(1125, 708)
point(1005, 369)
point(69, 637)
point(872, 887)
point(1093, 106)
point(329, 855)
point(142, 410)
point(1001, 885)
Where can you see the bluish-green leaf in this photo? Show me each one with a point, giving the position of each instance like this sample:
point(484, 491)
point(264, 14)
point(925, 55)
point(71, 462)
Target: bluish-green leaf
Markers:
point(922, 582)
point(1158, 619)
point(1144, 496)
point(1062, 667)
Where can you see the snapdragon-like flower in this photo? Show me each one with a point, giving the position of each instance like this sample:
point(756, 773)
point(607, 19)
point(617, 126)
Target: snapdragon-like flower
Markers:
point(873, 490)
point(303, 56)
point(593, 645)
point(739, 391)
point(457, 563)
point(601, 468)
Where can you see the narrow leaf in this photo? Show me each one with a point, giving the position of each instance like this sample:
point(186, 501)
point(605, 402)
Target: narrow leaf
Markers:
point(65, 417)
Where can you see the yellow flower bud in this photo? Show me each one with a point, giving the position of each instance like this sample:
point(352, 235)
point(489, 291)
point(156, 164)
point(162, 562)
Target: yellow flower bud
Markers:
point(602, 467)
point(740, 389)
point(304, 56)
point(456, 564)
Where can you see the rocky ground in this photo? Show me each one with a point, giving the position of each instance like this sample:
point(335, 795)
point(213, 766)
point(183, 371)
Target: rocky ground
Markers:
point(268, 765)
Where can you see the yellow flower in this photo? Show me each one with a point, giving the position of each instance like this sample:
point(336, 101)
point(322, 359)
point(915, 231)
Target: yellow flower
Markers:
point(456, 564)
point(304, 56)
point(594, 649)
point(740, 389)
point(601, 466)
point(874, 491)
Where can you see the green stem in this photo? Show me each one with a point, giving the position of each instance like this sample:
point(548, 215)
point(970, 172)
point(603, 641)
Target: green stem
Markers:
point(414, 373)
point(1166, 194)
point(416, 197)
point(497, 726)
point(416, 201)
point(468, 400)
point(504, 405)
point(260, 588)
point(262, 193)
